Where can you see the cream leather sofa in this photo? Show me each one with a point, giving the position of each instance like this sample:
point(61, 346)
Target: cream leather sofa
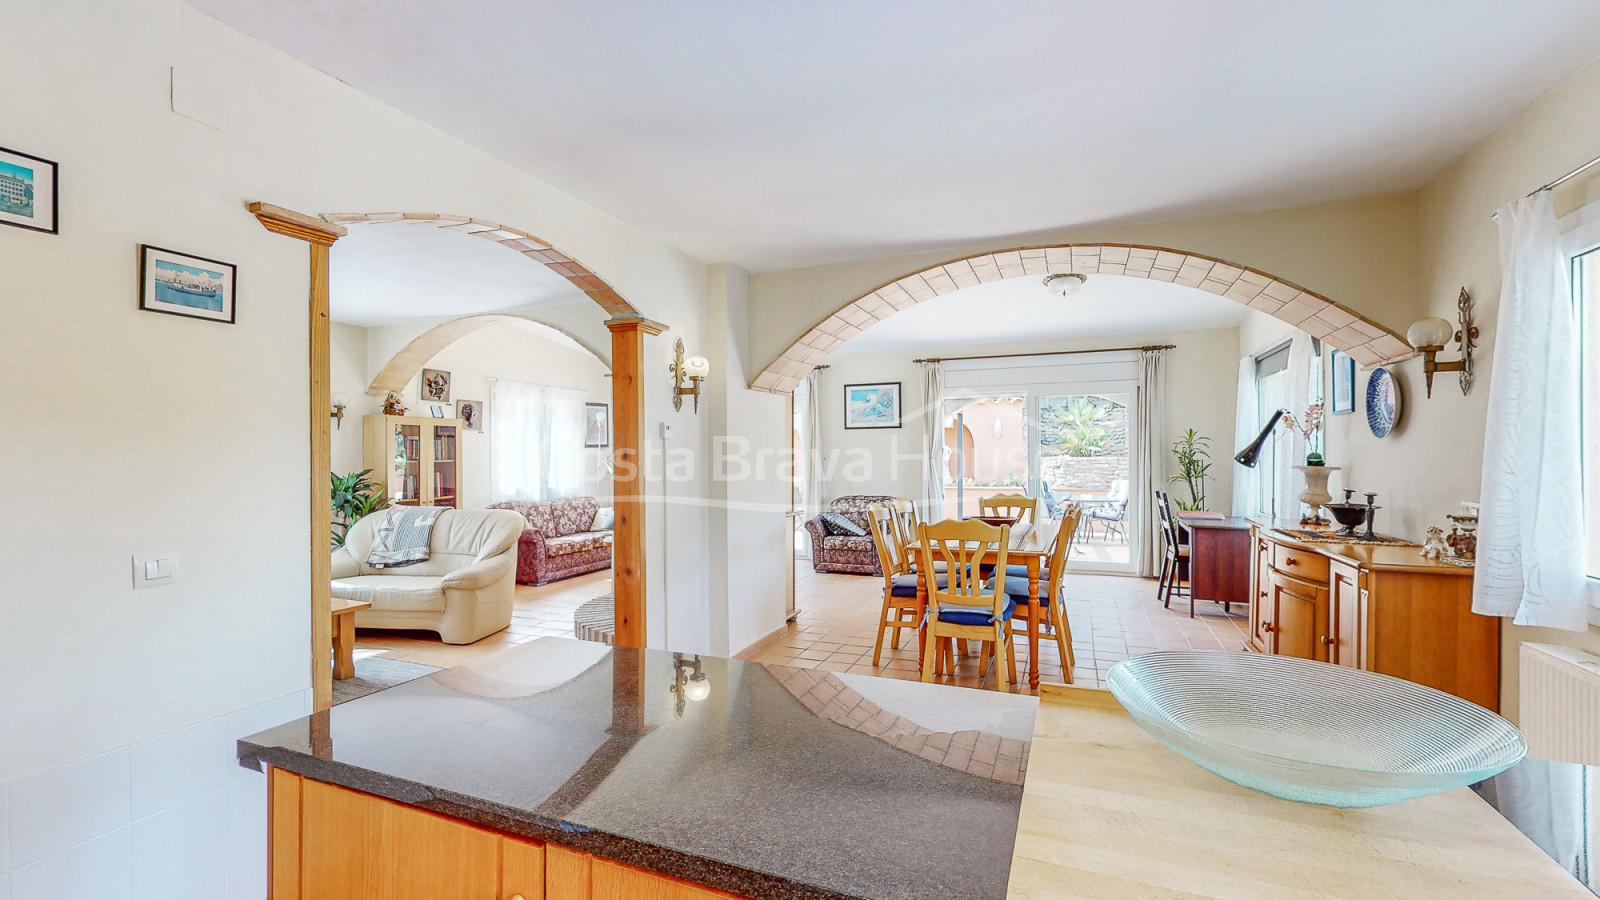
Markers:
point(463, 591)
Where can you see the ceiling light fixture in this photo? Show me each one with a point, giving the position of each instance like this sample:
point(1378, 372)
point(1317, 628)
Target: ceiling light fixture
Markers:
point(1066, 284)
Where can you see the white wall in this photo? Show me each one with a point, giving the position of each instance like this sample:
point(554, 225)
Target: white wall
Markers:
point(506, 352)
point(163, 435)
point(347, 374)
point(1201, 379)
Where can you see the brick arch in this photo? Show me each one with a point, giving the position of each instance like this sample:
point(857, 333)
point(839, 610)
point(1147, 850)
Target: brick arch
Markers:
point(1367, 342)
point(512, 239)
point(408, 360)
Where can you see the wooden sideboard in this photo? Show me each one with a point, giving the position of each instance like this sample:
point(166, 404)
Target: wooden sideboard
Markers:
point(1379, 608)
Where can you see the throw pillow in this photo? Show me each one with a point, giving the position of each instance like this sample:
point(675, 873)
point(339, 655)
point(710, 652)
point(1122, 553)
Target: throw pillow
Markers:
point(838, 525)
point(604, 518)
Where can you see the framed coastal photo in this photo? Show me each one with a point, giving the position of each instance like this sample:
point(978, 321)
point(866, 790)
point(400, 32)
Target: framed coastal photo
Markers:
point(435, 386)
point(872, 405)
point(1344, 383)
point(28, 192)
point(182, 285)
point(596, 425)
point(470, 412)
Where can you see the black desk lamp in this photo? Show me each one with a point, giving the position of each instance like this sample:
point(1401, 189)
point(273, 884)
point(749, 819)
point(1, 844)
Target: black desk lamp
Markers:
point(1250, 455)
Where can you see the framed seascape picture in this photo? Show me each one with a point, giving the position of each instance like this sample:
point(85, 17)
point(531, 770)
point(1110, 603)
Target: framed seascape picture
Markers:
point(435, 386)
point(596, 425)
point(1344, 383)
point(182, 285)
point(28, 192)
point(470, 412)
point(872, 405)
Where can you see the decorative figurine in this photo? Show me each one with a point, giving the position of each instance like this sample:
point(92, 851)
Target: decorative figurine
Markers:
point(1463, 539)
point(393, 405)
point(1434, 546)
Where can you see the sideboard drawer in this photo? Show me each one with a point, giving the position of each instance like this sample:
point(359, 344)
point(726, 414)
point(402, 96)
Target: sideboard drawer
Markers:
point(1299, 563)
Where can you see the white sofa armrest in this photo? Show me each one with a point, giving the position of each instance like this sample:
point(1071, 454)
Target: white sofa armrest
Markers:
point(483, 574)
point(345, 565)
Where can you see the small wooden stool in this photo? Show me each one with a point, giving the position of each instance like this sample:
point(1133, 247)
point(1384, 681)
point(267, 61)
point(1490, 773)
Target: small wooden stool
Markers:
point(344, 636)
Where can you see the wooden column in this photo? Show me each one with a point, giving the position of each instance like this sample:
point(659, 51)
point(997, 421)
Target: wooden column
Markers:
point(320, 236)
point(627, 480)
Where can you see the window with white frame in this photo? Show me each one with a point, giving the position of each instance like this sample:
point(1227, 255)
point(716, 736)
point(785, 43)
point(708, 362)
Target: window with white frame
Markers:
point(1582, 240)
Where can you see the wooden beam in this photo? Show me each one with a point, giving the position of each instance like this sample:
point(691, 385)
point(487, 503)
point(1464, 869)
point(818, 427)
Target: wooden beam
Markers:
point(627, 480)
point(320, 236)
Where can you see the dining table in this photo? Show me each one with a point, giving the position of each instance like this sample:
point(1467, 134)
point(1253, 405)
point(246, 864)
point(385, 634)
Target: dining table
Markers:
point(1026, 545)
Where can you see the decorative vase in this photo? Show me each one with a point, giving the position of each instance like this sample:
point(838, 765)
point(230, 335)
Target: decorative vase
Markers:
point(1316, 493)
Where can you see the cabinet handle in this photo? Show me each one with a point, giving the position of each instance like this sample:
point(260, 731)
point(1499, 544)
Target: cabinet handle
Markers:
point(516, 897)
point(1291, 561)
point(1326, 641)
point(1267, 628)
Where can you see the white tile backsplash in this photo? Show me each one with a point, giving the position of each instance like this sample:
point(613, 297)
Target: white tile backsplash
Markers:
point(247, 874)
point(5, 886)
point(260, 717)
point(54, 810)
point(177, 843)
point(247, 813)
point(93, 870)
point(212, 884)
point(5, 830)
point(179, 766)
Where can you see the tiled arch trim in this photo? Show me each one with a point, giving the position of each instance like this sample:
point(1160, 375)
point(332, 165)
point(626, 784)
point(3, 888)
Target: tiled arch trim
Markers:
point(520, 241)
point(400, 368)
point(1367, 342)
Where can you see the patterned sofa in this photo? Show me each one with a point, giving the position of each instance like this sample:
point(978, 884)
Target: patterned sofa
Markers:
point(557, 542)
point(845, 553)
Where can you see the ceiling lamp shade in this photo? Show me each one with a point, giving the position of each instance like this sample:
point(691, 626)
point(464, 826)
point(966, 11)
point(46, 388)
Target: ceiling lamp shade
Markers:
point(1065, 285)
point(1429, 332)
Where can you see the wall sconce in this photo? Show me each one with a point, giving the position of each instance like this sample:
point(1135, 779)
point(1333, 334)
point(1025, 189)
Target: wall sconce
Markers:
point(340, 401)
point(689, 682)
point(1429, 336)
point(694, 370)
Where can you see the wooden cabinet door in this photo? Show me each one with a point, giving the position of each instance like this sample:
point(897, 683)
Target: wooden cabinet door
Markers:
point(1261, 596)
point(1347, 617)
point(355, 846)
point(1299, 618)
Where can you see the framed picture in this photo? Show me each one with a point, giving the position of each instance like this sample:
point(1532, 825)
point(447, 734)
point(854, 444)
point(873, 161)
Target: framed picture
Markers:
point(1344, 383)
point(28, 192)
point(438, 411)
point(872, 405)
point(435, 386)
point(596, 425)
point(470, 412)
point(182, 285)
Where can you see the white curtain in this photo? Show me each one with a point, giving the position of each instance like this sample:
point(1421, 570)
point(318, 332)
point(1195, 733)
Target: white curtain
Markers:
point(563, 442)
point(1531, 538)
point(514, 441)
point(1292, 446)
point(933, 462)
point(1246, 425)
point(536, 442)
point(1150, 459)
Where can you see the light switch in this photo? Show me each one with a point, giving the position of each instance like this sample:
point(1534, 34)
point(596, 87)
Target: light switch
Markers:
point(154, 571)
point(666, 430)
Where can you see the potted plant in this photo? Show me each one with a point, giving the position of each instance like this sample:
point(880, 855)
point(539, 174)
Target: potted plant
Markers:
point(1194, 462)
point(354, 497)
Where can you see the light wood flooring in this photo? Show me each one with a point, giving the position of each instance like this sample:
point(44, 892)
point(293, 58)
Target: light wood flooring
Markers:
point(1112, 617)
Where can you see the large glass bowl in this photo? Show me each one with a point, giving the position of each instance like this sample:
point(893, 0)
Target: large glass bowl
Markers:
point(1313, 732)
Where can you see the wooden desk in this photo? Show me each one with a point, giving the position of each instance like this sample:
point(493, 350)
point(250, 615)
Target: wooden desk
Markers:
point(1109, 813)
point(1219, 558)
point(1028, 546)
point(344, 636)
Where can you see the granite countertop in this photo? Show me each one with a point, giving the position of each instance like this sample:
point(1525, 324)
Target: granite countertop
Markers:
point(782, 783)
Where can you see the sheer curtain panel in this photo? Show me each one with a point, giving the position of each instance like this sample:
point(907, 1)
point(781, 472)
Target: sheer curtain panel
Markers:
point(514, 441)
point(1246, 425)
point(562, 449)
point(1150, 459)
point(933, 466)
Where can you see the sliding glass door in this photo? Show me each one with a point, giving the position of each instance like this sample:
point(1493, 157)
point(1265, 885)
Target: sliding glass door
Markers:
point(1082, 451)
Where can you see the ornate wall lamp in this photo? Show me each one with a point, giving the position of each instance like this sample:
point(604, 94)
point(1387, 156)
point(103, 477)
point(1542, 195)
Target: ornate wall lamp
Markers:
point(1430, 334)
point(339, 401)
point(694, 370)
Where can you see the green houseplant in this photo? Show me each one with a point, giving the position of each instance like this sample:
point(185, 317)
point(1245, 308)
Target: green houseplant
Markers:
point(1194, 462)
point(355, 496)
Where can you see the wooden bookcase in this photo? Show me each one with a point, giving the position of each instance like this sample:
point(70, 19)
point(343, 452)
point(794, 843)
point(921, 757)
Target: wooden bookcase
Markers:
point(417, 459)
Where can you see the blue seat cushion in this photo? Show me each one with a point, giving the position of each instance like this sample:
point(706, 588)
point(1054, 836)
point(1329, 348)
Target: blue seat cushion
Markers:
point(977, 615)
point(1017, 582)
point(906, 585)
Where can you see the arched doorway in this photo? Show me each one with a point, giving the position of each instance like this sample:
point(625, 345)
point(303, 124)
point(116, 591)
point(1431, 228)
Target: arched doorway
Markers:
point(406, 362)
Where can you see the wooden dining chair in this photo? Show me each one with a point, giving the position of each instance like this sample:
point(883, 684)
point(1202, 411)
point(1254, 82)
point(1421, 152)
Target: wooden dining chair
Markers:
point(1047, 613)
point(1175, 555)
point(899, 582)
point(1017, 506)
point(962, 608)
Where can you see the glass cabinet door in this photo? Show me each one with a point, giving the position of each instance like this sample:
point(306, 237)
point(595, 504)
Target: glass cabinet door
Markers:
point(445, 466)
point(405, 471)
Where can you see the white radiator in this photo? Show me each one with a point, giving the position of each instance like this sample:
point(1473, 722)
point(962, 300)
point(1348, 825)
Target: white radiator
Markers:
point(1559, 703)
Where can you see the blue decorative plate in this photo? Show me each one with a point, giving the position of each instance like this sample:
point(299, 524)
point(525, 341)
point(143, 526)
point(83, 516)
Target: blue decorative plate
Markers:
point(1383, 402)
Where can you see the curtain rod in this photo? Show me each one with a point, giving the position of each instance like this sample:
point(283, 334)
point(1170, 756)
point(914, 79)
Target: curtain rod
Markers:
point(1049, 353)
point(1560, 181)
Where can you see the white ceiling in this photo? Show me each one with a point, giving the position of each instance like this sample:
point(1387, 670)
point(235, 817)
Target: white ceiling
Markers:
point(382, 274)
point(1018, 309)
point(774, 135)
